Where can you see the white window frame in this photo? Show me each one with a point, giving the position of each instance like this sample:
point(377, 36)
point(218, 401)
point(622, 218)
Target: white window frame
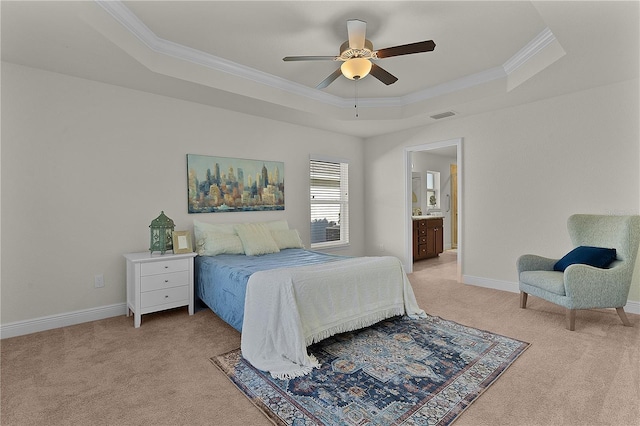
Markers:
point(342, 202)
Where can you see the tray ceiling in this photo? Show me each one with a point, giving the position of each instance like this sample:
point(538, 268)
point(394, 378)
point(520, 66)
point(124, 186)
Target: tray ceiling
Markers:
point(488, 55)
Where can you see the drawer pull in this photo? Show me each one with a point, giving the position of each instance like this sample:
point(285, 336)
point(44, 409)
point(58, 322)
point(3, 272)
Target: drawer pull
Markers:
point(164, 266)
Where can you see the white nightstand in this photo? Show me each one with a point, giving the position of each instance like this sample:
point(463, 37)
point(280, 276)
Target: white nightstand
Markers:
point(156, 282)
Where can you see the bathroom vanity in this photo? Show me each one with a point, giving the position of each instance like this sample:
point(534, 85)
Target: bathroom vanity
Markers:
point(427, 237)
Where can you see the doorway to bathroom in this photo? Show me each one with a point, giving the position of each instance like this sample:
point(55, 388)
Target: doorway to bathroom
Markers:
point(434, 192)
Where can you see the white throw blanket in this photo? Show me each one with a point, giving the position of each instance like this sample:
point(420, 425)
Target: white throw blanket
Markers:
point(288, 309)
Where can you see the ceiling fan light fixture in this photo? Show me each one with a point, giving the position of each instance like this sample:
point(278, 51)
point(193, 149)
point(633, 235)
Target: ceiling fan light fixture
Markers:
point(357, 54)
point(356, 68)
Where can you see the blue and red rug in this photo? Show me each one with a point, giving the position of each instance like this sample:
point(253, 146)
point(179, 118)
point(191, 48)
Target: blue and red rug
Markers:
point(415, 372)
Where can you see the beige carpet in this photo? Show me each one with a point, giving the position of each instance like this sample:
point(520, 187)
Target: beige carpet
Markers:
point(108, 373)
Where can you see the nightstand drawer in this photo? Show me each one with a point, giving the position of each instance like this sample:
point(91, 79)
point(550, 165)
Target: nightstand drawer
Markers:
point(164, 266)
point(161, 297)
point(157, 282)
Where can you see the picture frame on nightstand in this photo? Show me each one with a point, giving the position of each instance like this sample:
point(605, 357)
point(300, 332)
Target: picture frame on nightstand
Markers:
point(182, 242)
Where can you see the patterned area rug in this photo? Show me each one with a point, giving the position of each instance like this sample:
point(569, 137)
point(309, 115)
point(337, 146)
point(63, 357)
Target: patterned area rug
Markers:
point(414, 372)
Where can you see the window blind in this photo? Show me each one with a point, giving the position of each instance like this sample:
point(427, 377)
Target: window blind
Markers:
point(329, 202)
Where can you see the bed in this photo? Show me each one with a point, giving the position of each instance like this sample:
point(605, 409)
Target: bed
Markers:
point(284, 298)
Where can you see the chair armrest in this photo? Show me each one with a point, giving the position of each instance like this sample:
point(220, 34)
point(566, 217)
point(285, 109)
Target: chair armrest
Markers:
point(532, 262)
point(595, 287)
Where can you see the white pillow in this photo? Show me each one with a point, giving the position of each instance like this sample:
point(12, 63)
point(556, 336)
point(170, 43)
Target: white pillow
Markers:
point(214, 243)
point(277, 225)
point(222, 228)
point(287, 239)
point(256, 239)
point(213, 239)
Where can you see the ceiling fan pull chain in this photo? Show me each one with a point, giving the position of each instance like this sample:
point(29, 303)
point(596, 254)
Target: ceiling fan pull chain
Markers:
point(356, 105)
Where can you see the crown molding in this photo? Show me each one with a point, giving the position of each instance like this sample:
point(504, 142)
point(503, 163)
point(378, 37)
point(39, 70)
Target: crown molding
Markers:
point(133, 24)
point(452, 86)
point(531, 49)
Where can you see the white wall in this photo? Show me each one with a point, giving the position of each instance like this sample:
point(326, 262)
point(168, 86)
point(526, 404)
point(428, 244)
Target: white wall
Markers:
point(86, 167)
point(526, 169)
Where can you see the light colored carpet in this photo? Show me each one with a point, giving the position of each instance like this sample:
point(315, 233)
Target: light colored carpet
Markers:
point(109, 373)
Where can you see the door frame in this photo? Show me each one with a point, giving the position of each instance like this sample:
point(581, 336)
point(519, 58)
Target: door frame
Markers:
point(458, 142)
point(454, 212)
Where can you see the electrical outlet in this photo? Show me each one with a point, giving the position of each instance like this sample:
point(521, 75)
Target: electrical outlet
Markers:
point(381, 247)
point(98, 281)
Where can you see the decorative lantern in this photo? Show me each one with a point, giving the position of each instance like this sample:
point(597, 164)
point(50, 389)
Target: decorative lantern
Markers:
point(161, 233)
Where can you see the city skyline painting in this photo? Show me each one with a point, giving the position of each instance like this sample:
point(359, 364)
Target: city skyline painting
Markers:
point(225, 184)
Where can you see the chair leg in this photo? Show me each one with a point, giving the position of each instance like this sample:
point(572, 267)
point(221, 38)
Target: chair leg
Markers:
point(623, 317)
point(571, 319)
point(523, 300)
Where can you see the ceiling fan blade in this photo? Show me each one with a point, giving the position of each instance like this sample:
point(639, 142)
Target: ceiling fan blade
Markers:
point(406, 49)
point(309, 58)
point(382, 75)
point(327, 81)
point(356, 29)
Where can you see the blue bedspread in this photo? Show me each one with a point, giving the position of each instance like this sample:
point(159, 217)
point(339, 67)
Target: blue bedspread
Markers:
point(221, 281)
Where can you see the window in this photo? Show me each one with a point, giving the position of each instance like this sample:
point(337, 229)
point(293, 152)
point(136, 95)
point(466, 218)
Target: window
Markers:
point(329, 202)
point(433, 190)
point(430, 180)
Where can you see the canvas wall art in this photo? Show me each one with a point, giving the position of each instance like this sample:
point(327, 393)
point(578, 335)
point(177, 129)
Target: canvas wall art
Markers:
point(223, 184)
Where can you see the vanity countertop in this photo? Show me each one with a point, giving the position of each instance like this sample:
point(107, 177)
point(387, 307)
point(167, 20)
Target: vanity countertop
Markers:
point(426, 217)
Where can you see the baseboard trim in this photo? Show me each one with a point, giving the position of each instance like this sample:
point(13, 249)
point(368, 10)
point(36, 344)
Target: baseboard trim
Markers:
point(632, 306)
point(50, 322)
point(491, 283)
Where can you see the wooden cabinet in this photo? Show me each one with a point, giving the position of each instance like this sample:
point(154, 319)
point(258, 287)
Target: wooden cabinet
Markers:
point(419, 239)
point(427, 238)
point(158, 282)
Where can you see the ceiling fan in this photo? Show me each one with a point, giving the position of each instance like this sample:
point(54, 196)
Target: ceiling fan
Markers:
point(357, 54)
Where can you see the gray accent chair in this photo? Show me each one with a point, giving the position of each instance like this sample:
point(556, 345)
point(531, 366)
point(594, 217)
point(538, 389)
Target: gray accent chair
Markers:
point(583, 286)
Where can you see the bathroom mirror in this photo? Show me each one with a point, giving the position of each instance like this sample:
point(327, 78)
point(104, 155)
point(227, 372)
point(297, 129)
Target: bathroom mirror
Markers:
point(416, 194)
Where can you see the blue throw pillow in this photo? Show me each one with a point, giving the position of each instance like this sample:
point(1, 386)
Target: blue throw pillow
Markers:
point(593, 256)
